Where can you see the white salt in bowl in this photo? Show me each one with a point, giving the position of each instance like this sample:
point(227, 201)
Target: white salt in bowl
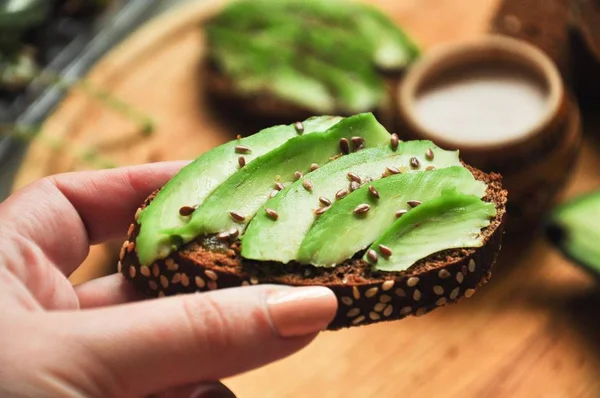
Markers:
point(503, 104)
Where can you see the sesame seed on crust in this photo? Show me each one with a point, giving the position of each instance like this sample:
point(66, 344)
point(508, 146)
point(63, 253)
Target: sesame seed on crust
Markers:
point(185, 280)
point(164, 282)
point(454, 293)
point(145, 271)
point(353, 312)
point(171, 264)
point(347, 300)
point(387, 285)
point(176, 278)
point(199, 282)
point(412, 281)
point(210, 274)
point(417, 295)
point(444, 274)
point(472, 265)
point(388, 310)
point(405, 310)
point(421, 311)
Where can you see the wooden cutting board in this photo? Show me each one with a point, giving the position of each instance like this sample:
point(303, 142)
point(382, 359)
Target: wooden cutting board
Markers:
point(534, 331)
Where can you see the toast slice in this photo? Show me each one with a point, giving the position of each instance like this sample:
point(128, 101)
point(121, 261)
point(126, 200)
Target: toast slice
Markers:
point(364, 296)
point(282, 60)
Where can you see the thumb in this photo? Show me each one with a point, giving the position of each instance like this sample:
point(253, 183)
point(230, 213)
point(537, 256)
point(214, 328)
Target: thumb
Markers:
point(153, 345)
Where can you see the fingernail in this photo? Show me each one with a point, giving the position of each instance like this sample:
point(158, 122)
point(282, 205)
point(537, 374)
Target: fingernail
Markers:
point(301, 310)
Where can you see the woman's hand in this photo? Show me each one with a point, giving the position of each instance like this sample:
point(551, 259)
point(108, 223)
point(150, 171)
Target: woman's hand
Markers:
point(100, 339)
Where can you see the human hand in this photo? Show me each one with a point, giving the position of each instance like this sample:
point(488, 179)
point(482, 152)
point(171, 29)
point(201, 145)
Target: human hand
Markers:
point(101, 338)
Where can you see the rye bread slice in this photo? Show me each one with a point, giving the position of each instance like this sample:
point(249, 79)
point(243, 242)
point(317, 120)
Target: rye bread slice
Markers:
point(364, 296)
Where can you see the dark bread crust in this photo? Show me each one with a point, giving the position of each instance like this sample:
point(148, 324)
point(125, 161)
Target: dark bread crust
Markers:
point(364, 296)
point(263, 105)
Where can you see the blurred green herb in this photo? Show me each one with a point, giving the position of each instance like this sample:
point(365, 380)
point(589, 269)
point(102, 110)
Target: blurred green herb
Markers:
point(19, 69)
point(145, 122)
point(27, 133)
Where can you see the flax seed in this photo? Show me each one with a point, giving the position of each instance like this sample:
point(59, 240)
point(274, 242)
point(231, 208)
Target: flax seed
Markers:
point(242, 149)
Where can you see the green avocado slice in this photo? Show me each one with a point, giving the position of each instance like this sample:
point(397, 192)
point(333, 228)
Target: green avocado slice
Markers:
point(291, 48)
point(450, 221)
point(197, 180)
point(279, 240)
point(354, 89)
point(236, 200)
point(574, 227)
point(363, 27)
point(344, 230)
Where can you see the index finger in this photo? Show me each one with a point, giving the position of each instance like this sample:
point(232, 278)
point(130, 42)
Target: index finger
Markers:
point(66, 213)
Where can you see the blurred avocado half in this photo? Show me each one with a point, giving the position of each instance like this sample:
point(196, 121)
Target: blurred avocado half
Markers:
point(291, 59)
point(574, 228)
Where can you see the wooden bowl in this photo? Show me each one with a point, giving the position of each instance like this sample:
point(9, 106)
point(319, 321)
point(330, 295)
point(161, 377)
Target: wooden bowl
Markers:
point(534, 163)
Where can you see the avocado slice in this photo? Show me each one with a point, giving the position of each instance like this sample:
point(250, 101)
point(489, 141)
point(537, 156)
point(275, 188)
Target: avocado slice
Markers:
point(290, 48)
point(363, 27)
point(574, 228)
point(353, 223)
point(279, 240)
point(450, 221)
point(198, 179)
point(352, 90)
point(235, 201)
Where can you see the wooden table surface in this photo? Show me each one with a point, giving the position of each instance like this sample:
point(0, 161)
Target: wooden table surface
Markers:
point(533, 331)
